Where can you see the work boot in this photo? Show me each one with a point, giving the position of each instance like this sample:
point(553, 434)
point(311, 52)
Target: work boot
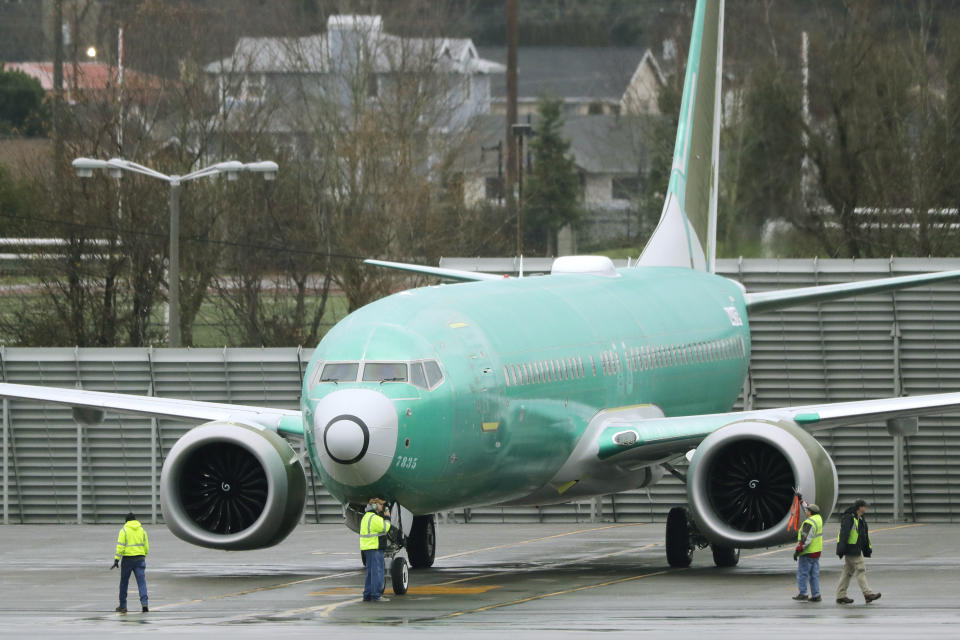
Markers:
point(815, 598)
point(381, 599)
point(800, 596)
point(144, 608)
point(844, 601)
point(121, 609)
point(870, 597)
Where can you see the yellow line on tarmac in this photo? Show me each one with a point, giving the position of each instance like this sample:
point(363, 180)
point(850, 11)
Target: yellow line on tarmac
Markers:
point(354, 573)
point(555, 593)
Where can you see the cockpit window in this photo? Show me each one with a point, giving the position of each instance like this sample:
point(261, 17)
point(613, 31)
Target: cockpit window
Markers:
point(434, 376)
point(339, 372)
point(416, 375)
point(385, 372)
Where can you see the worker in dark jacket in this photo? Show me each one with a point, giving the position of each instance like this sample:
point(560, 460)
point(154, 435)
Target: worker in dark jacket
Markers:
point(853, 545)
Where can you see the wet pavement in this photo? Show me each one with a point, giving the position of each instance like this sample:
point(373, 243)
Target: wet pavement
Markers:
point(538, 580)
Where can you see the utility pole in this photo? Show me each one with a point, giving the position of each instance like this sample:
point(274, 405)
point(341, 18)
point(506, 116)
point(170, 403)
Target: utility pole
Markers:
point(512, 207)
point(57, 107)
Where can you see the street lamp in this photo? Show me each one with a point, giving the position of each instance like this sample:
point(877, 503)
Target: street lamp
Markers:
point(116, 166)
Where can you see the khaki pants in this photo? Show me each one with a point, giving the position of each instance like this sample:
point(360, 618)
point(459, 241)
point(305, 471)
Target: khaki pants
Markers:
point(853, 566)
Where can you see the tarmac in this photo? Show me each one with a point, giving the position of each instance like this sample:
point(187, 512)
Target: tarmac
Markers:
point(488, 580)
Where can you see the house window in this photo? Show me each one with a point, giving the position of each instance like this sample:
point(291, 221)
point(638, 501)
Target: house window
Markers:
point(494, 188)
point(625, 187)
point(373, 87)
point(454, 185)
point(253, 87)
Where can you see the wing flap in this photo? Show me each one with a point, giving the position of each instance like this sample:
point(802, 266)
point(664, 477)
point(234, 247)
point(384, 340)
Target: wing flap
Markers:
point(283, 420)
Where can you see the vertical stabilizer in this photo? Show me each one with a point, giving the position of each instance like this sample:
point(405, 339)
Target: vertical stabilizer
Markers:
point(688, 220)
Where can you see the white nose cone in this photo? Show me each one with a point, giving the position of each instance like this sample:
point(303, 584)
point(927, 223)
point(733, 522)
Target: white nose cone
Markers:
point(345, 439)
point(355, 433)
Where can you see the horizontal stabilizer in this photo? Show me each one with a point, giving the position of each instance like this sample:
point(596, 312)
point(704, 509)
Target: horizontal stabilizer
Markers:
point(449, 274)
point(772, 300)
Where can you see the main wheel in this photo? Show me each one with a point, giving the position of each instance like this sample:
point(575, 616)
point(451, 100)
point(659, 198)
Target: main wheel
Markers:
point(725, 556)
point(399, 575)
point(422, 542)
point(679, 544)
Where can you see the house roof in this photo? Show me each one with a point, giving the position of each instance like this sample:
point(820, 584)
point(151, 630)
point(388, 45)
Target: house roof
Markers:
point(571, 72)
point(89, 75)
point(317, 53)
point(606, 144)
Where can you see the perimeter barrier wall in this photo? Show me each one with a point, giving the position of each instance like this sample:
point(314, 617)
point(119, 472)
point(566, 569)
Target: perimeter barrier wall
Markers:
point(55, 470)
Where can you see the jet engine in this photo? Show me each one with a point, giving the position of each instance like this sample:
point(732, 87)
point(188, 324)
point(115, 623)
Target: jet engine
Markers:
point(741, 481)
point(232, 486)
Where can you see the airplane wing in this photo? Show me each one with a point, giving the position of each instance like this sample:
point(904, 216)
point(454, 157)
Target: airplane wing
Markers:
point(631, 435)
point(449, 274)
point(90, 405)
point(770, 300)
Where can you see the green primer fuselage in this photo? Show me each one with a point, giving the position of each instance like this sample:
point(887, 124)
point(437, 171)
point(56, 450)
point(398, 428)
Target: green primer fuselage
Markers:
point(527, 363)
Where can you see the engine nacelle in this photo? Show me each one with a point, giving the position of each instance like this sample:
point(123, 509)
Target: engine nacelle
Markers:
point(741, 481)
point(232, 486)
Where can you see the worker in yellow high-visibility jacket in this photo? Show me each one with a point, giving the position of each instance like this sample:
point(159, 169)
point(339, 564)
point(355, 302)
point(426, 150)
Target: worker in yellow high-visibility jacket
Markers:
point(807, 554)
point(131, 556)
point(373, 531)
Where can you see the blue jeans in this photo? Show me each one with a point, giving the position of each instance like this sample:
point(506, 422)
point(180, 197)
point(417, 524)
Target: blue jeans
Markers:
point(808, 568)
point(373, 586)
point(138, 565)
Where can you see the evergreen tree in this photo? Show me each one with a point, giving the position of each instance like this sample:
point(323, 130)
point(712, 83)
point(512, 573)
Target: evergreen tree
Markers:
point(21, 103)
point(551, 195)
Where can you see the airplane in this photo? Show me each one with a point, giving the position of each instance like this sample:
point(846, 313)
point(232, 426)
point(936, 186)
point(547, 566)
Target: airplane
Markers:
point(588, 381)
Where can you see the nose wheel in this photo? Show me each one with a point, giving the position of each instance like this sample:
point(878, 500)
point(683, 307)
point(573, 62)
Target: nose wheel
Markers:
point(399, 577)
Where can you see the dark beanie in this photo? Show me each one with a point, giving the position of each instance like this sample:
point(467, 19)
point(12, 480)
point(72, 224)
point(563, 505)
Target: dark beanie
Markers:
point(130, 516)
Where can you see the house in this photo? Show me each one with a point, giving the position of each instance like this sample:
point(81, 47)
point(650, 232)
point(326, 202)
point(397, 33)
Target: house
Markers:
point(590, 80)
point(610, 154)
point(91, 78)
point(355, 49)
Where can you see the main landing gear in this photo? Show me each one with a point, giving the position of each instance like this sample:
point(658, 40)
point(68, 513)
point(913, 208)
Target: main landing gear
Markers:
point(679, 540)
point(422, 542)
point(682, 538)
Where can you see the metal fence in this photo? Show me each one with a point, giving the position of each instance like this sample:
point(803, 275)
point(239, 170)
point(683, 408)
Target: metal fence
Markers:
point(904, 343)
